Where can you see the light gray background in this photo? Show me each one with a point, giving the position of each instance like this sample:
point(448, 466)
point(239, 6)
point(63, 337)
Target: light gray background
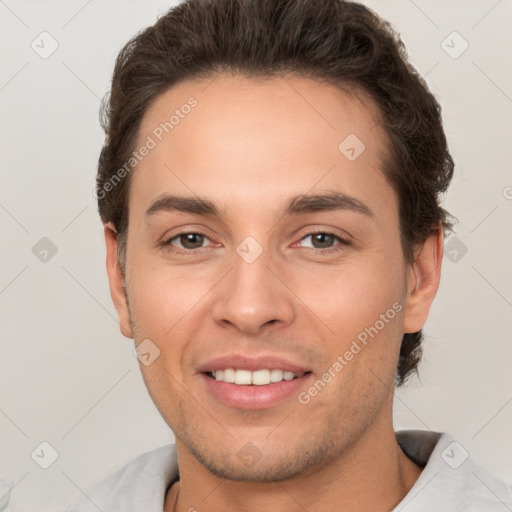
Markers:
point(69, 378)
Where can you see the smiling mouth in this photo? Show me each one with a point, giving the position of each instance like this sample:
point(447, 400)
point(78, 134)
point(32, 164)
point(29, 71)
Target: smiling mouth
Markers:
point(261, 377)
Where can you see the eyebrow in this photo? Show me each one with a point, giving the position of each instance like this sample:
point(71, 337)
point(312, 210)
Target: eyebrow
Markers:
point(297, 205)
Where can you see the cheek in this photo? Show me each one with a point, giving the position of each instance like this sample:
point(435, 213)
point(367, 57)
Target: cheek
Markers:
point(163, 306)
point(362, 305)
point(156, 302)
point(364, 312)
point(169, 305)
point(161, 295)
point(352, 297)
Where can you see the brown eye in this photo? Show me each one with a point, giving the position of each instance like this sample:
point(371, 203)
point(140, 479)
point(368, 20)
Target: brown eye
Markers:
point(187, 241)
point(191, 240)
point(322, 240)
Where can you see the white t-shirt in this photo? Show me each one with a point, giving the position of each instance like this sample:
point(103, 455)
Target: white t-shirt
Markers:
point(449, 482)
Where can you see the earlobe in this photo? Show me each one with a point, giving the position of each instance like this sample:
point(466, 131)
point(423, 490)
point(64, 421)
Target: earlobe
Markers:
point(116, 280)
point(423, 278)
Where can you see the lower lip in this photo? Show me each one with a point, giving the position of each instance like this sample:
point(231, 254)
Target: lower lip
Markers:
point(254, 397)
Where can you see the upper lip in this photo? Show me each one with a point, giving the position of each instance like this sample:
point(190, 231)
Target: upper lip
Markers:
point(241, 362)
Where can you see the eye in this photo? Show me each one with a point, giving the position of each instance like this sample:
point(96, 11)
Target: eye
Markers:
point(324, 241)
point(186, 241)
point(321, 241)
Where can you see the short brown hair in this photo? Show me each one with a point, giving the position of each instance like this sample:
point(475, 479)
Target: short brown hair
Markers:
point(334, 41)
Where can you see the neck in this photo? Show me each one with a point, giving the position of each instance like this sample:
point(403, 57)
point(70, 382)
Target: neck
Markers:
point(373, 474)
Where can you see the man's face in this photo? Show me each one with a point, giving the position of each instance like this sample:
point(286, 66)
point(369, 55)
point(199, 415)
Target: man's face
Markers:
point(263, 287)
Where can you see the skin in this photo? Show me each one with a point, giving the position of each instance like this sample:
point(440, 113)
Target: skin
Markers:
point(248, 146)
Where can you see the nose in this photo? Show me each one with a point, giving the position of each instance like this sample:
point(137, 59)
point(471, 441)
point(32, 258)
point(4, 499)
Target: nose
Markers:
point(252, 297)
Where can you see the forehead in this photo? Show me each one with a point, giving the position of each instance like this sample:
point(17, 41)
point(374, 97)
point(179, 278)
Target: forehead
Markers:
point(252, 143)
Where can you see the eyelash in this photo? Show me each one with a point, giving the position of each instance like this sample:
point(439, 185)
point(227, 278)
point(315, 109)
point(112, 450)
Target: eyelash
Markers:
point(168, 244)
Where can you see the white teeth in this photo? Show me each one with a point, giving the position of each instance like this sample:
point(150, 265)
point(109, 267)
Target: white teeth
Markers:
point(229, 375)
point(257, 378)
point(276, 375)
point(261, 377)
point(241, 376)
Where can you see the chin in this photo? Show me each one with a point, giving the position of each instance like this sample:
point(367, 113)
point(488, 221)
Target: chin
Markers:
point(251, 465)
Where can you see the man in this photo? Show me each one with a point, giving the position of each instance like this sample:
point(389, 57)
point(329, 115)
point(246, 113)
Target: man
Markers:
point(270, 186)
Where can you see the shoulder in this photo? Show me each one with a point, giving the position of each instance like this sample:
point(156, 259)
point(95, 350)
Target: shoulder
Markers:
point(140, 485)
point(450, 480)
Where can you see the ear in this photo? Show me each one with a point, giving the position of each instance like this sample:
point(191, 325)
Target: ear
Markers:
point(116, 280)
point(423, 277)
